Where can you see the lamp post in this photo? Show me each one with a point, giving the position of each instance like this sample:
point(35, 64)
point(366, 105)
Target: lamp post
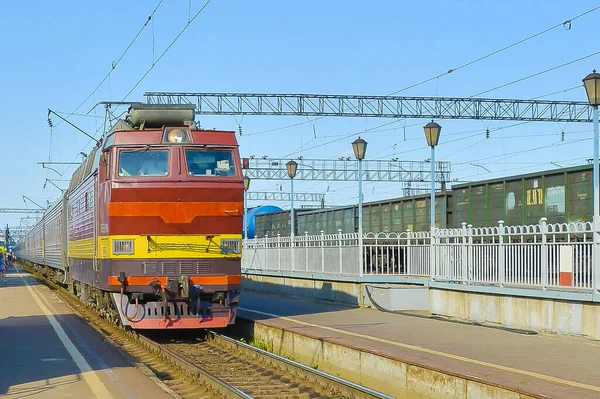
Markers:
point(432, 134)
point(291, 168)
point(359, 146)
point(592, 88)
point(246, 186)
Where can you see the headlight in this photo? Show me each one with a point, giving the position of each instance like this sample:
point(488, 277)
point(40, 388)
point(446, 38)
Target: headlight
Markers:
point(176, 135)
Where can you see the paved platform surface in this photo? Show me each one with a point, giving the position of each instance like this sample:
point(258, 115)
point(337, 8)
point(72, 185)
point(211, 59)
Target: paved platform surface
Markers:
point(547, 365)
point(46, 351)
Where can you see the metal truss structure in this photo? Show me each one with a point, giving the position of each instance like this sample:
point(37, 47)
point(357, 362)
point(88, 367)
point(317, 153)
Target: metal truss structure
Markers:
point(281, 196)
point(18, 232)
point(347, 170)
point(378, 106)
point(21, 210)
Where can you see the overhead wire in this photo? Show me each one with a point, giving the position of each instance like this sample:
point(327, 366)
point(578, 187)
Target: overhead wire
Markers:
point(520, 152)
point(190, 21)
point(469, 63)
point(451, 70)
point(536, 74)
point(116, 63)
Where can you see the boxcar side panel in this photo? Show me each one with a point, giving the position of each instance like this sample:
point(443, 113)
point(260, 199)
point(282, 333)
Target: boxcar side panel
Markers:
point(579, 196)
point(555, 200)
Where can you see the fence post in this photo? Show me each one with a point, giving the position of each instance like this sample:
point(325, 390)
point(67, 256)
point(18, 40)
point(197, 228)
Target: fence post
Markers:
point(341, 253)
point(501, 255)
point(322, 252)
point(306, 251)
point(464, 253)
point(361, 255)
point(432, 249)
point(409, 267)
point(266, 251)
point(544, 253)
point(278, 251)
point(291, 250)
point(595, 261)
point(470, 251)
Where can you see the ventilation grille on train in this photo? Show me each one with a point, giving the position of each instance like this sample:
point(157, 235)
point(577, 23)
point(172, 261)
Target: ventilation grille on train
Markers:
point(122, 247)
point(177, 267)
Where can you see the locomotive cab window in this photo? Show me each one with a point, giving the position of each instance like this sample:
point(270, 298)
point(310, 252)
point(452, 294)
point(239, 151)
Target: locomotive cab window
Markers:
point(143, 163)
point(210, 163)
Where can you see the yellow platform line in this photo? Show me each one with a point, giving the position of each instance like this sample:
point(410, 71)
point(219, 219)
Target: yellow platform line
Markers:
point(90, 377)
point(434, 352)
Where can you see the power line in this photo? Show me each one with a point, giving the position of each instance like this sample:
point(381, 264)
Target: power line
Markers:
point(115, 63)
point(511, 154)
point(113, 66)
point(557, 92)
point(342, 138)
point(190, 21)
point(537, 74)
point(155, 62)
point(564, 24)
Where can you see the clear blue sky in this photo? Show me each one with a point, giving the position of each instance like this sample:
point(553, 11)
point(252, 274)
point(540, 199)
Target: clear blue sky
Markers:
point(55, 53)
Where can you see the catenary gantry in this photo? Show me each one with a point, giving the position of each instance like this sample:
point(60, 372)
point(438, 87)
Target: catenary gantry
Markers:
point(281, 196)
point(347, 170)
point(321, 105)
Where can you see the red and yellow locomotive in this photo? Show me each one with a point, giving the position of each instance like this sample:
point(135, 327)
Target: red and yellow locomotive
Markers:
point(150, 227)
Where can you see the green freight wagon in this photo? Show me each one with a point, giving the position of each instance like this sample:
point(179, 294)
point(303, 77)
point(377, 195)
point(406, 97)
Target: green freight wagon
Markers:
point(407, 213)
point(561, 195)
point(395, 215)
point(271, 224)
point(329, 220)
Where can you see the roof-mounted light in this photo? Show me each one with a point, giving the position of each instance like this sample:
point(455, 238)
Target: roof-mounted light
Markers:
point(176, 135)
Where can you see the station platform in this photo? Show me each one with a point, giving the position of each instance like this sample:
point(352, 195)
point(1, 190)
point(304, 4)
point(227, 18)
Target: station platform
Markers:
point(46, 351)
point(524, 366)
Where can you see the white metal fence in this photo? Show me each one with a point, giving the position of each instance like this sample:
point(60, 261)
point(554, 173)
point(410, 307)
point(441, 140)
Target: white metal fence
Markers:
point(540, 255)
point(325, 253)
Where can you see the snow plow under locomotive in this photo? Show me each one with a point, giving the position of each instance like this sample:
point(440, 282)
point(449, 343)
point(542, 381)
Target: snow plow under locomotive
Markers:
point(149, 230)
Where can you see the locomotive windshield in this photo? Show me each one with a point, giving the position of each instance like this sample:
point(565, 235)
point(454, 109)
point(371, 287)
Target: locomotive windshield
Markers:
point(210, 163)
point(143, 163)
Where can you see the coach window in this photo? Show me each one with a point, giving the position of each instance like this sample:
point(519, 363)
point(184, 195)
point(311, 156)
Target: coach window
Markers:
point(210, 163)
point(143, 163)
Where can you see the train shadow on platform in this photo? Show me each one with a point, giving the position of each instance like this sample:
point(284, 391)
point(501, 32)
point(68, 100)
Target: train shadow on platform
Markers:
point(33, 360)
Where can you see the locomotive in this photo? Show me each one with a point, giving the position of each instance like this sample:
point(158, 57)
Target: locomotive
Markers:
point(149, 231)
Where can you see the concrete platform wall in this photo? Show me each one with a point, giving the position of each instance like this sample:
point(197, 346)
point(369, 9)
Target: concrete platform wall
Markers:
point(348, 293)
point(562, 317)
point(387, 296)
point(393, 377)
point(567, 317)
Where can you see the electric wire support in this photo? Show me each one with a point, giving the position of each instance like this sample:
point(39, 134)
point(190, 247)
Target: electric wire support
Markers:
point(378, 106)
point(347, 170)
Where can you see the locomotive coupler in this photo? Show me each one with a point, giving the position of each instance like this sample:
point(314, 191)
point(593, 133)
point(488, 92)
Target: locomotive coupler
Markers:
point(155, 284)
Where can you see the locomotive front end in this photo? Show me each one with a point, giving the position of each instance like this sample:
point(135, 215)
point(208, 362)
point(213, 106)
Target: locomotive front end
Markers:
point(170, 221)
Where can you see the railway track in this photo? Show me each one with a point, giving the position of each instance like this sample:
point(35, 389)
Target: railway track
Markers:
point(213, 365)
point(238, 370)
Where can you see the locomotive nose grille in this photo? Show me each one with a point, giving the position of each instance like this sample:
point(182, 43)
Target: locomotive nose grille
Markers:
point(167, 267)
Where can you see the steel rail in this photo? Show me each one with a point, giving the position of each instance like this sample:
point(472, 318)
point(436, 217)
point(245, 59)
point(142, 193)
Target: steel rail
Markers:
point(215, 383)
point(347, 388)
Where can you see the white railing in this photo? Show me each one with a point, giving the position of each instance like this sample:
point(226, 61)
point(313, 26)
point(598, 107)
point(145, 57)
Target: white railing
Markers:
point(541, 255)
point(335, 254)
